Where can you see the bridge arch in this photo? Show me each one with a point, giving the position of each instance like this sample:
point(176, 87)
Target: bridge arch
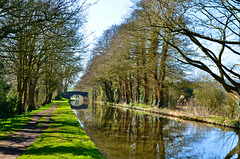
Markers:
point(68, 95)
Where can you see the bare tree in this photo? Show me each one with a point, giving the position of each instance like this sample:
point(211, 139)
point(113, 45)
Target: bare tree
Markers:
point(212, 28)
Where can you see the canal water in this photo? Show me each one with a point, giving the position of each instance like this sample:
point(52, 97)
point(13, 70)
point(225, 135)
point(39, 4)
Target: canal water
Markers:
point(126, 134)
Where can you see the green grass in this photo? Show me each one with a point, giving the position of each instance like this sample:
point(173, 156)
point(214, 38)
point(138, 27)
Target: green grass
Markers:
point(63, 139)
point(216, 119)
point(224, 121)
point(17, 122)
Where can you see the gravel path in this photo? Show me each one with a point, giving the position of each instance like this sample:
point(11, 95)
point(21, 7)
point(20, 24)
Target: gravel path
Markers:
point(15, 144)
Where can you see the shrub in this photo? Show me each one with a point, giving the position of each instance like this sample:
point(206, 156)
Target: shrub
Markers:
point(10, 106)
point(210, 96)
point(176, 90)
point(211, 99)
point(230, 110)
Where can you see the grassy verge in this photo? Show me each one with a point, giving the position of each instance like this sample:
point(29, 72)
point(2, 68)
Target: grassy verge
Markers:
point(63, 139)
point(215, 120)
point(17, 122)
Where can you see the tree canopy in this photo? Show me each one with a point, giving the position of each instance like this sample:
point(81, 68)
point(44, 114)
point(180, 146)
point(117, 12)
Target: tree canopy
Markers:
point(40, 46)
point(150, 51)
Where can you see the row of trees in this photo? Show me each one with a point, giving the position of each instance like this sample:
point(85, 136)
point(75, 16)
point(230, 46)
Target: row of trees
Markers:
point(38, 45)
point(147, 57)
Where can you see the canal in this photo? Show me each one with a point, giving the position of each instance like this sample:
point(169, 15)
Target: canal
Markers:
point(127, 134)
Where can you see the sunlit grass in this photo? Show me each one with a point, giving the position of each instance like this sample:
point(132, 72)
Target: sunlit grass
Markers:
point(63, 139)
point(17, 122)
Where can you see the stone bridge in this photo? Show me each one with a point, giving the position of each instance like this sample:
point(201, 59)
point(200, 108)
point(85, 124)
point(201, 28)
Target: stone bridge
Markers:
point(69, 94)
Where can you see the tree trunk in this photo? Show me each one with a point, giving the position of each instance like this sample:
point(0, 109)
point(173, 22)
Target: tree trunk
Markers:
point(162, 73)
point(155, 58)
point(126, 92)
point(108, 91)
point(145, 91)
point(47, 93)
point(37, 96)
point(31, 95)
point(121, 90)
point(137, 91)
point(131, 89)
point(49, 97)
point(20, 108)
point(25, 92)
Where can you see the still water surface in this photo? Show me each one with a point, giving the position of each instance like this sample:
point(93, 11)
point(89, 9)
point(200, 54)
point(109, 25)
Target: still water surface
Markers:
point(125, 134)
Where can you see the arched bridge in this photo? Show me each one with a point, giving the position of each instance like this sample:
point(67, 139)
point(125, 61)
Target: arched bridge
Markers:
point(69, 94)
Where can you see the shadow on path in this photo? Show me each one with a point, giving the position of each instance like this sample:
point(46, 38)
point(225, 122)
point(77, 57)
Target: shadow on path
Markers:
point(15, 144)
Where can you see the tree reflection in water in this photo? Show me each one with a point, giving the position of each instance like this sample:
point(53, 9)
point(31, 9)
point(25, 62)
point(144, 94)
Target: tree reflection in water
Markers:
point(122, 133)
point(231, 139)
point(78, 102)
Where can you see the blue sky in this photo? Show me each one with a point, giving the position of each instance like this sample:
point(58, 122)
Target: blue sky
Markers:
point(106, 13)
point(101, 16)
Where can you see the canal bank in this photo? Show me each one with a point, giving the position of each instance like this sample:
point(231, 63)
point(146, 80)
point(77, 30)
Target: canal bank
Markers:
point(180, 113)
point(64, 138)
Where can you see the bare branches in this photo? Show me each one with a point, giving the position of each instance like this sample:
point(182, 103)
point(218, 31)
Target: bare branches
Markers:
point(39, 41)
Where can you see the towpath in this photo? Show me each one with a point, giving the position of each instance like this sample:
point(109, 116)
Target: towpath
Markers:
point(16, 143)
